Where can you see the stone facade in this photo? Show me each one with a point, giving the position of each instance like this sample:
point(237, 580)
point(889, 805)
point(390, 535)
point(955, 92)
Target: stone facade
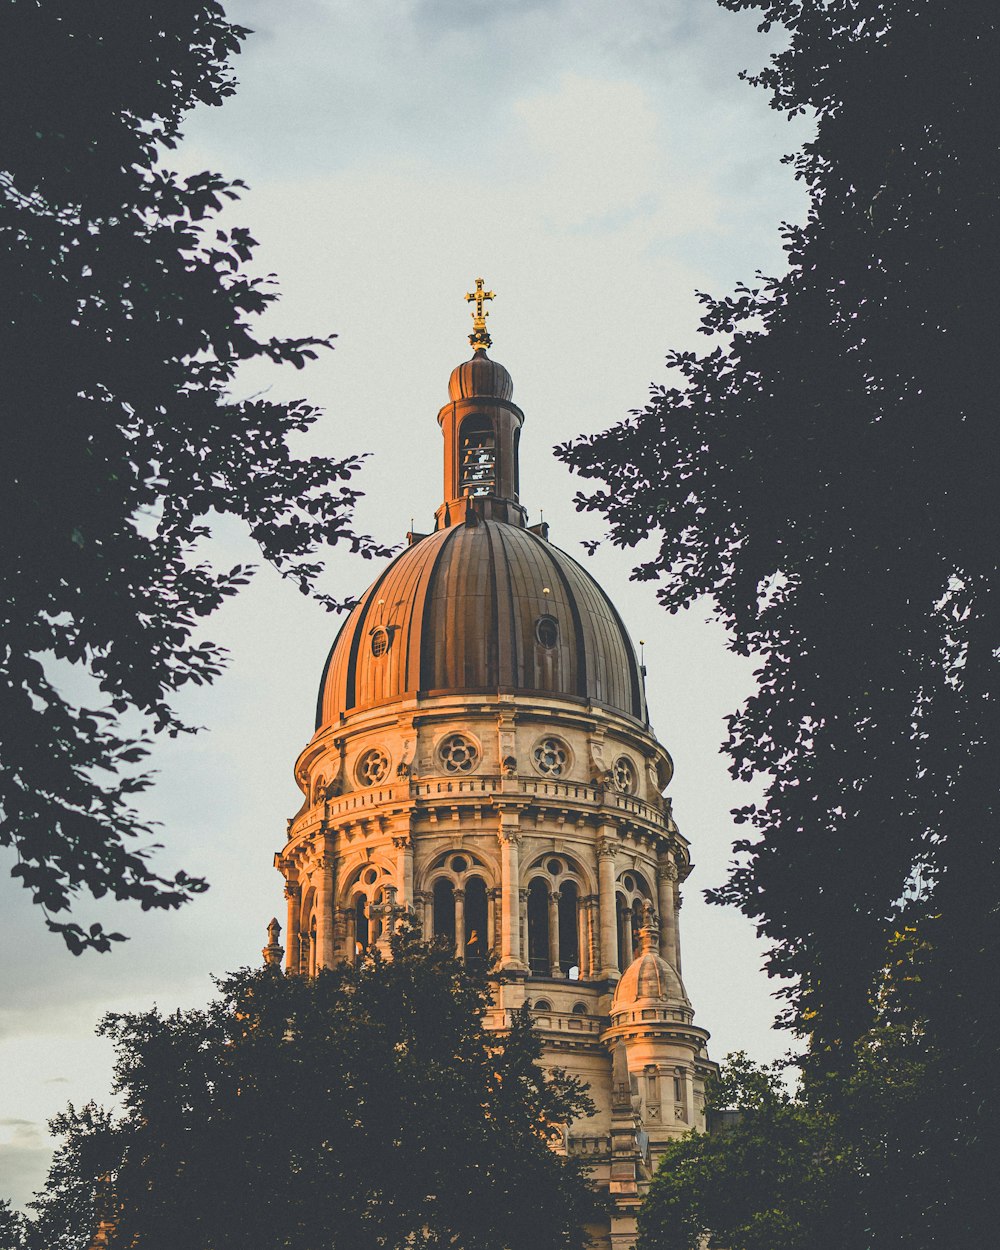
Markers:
point(518, 811)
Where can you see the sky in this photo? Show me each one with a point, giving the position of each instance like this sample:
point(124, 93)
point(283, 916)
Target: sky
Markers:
point(598, 162)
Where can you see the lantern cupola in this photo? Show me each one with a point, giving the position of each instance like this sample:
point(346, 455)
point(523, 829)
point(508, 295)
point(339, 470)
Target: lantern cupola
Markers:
point(481, 427)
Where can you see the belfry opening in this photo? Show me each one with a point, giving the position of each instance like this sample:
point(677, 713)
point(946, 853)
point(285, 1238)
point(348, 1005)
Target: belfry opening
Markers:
point(483, 762)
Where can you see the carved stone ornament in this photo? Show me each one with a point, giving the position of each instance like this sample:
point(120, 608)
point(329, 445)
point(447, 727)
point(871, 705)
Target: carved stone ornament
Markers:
point(667, 871)
point(372, 767)
point(458, 754)
point(550, 757)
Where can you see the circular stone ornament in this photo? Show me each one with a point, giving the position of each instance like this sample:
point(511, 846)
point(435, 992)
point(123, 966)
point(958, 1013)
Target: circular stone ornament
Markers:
point(372, 767)
point(458, 754)
point(551, 757)
point(624, 775)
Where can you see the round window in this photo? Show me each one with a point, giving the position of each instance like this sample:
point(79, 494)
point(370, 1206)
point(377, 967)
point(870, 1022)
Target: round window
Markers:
point(458, 753)
point(551, 757)
point(547, 631)
point(372, 767)
point(380, 641)
point(624, 775)
point(459, 864)
point(370, 877)
point(554, 867)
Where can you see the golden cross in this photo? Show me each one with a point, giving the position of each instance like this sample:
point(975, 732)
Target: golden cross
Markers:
point(479, 338)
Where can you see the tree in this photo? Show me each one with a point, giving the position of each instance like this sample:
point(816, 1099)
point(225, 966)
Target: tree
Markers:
point(363, 1108)
point(127, 312)
point(840, 1164)
point(825, 475)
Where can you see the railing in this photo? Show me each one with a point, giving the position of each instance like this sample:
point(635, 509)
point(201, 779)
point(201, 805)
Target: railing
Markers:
point(596, 1147)
point(579, 794)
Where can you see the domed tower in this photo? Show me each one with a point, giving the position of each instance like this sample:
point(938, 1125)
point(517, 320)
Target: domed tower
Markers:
point(483, 759)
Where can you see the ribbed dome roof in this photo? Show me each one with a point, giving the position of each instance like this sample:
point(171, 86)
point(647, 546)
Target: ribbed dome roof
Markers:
point(648, 979)
point(482, 607)
point(480, 377)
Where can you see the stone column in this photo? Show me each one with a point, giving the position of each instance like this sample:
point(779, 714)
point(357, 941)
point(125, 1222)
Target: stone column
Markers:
point(510, 876)
point(590, 932)
point(293, 896)
point(607, 852)
point(404, 871)
point(493, 897)
point(324, 914)
point(666, 875)
point(460, 925)
point(677, 927)
point(625, 928)
point(425, 911)
point(554, 968)
point(583, 937)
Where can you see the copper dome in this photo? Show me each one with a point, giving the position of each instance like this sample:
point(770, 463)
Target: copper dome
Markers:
point(480, 377)
point(482, 607)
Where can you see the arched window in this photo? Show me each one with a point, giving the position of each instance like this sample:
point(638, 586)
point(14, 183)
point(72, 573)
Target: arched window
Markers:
point(361, 935)
point(569, 928)
point(579, 1009)
point(444, 909)
point(538, 928)
point(475, 922)
point(478, 451)
point(543, 1005)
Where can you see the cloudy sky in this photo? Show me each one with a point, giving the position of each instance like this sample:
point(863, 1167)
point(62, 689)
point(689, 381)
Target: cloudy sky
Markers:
point(597, 162)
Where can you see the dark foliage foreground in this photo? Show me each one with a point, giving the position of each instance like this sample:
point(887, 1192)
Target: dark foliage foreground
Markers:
point(126, 311)
point(827, 475)
point(364, 1108)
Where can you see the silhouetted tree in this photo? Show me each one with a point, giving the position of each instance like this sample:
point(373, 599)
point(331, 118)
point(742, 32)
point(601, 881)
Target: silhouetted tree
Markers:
point(364, 1108)
point(836, 1165)
point(826, 474)
point(126, 313)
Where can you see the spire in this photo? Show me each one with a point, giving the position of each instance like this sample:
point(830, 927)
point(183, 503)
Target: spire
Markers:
point(649, 931)
point(480, 336)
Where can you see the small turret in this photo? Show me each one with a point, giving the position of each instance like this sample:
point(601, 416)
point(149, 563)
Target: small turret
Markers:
point(273, 951)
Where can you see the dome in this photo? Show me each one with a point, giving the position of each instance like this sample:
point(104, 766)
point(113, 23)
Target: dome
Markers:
point(482, 607)
point(480, 378)
point(648, 980)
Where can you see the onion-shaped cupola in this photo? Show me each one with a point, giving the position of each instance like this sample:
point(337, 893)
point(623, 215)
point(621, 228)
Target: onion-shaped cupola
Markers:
point(485, 604)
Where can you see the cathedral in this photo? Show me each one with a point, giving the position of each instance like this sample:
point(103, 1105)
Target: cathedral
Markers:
point(483, 760)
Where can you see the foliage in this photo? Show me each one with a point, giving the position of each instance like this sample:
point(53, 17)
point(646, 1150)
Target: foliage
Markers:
point(766, 1183)
point(363, 1108)
point(838, 1165)
point(127, 311)
point(825, 474)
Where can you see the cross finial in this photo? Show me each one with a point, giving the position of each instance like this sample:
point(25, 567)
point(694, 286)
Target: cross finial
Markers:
point(480, 337)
